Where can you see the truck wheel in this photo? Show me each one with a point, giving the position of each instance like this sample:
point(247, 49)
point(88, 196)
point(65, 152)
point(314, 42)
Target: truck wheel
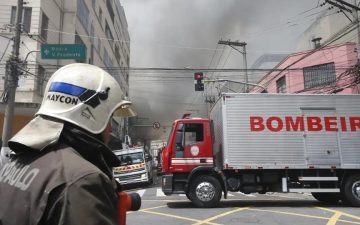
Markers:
point(351, 190)
point(331, 198)
point(205, 192)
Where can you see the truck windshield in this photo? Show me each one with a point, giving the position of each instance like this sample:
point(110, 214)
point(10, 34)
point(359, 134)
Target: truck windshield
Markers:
point(130, 159)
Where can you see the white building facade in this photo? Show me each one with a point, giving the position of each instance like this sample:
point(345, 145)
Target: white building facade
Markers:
point(100, 25)
point(329, 26)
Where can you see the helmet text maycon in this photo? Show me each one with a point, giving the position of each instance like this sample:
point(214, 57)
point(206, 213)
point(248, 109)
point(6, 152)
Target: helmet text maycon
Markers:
point(62, 99)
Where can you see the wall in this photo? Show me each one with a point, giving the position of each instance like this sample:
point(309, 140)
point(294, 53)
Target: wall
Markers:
point(325, 26)
point(344, 56)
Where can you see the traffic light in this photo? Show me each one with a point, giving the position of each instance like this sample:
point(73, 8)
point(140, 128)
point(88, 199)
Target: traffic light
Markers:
point(198, 77)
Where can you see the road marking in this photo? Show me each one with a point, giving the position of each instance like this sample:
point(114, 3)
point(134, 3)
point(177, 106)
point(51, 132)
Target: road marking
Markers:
point(159, 193)
point(160, 200)
point(156, 207)
point(230, 195)
point(182, 195)
point(303, 215)
point(249, 195)
point(141, 210)
point(289, 213)
point(221, 215)
point(141, 192)
point(334, 219)
point(177, 217)
point(284, 196)
point(342, 213)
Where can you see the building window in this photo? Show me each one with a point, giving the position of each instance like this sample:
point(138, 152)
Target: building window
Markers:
point(98, 44)
point(108, 32)
point(110, 10)
point(107, 59)
point(40, 80)
point(100, 16)
point(91, 58)
point(281, 85)
point(92, 34)
point(319, 75)
point(82, 12)
point(78, 40)
point(44, 26)
point(117, 53)
point(13, 15)
point(26, 18)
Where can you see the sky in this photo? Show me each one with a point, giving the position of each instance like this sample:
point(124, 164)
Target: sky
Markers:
point(184, 34)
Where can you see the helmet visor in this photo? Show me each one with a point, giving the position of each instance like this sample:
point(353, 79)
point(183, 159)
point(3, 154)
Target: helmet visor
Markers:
point(125, 109)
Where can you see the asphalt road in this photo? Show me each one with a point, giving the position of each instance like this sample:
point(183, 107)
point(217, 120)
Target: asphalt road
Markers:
point(268, 209)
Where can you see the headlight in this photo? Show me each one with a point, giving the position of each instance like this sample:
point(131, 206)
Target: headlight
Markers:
point(143, 176)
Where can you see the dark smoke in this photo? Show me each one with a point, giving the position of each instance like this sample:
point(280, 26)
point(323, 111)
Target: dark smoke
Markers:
point(184, 33)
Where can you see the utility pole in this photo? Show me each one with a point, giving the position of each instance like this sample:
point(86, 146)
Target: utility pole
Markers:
point(243, 52)
point(344, 7)
point(12, 80)
point(356, 17)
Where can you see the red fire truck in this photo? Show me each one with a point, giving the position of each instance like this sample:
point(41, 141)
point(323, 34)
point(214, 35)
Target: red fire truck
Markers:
point(267, 143)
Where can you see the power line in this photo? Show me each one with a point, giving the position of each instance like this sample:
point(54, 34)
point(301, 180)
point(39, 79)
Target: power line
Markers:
point(5, 50)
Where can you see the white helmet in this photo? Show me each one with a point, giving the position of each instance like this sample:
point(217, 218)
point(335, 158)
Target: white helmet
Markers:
point(84, 95)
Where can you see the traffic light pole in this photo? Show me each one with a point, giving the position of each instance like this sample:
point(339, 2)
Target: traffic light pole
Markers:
point(12, 81)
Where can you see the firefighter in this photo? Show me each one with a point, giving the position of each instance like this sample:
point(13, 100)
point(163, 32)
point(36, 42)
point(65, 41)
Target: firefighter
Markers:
point(61, 172)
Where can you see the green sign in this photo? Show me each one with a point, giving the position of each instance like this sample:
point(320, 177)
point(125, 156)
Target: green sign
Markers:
point(63, 51)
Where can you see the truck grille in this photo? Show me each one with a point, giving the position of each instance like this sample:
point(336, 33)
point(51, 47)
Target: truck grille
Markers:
point(123, 172)
point(129, 177)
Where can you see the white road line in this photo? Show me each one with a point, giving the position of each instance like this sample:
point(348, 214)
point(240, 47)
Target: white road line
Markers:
point(230, 195)
point(159, 193)
point(182, 195)
point(289, 197)
point(248, 195)
point(141, 192)
point(283, 196)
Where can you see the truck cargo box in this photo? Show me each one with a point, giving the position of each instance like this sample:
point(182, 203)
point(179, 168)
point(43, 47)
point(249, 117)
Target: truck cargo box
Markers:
point(277, 131)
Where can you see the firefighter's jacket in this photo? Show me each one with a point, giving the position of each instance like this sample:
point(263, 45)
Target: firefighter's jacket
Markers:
point(66, 183)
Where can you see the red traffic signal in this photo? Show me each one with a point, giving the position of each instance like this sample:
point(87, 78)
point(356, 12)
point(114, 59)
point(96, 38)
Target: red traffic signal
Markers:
point(198, 76)
point(199, 86)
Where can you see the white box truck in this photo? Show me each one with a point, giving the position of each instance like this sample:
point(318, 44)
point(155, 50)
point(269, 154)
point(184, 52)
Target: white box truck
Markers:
point(267, 143)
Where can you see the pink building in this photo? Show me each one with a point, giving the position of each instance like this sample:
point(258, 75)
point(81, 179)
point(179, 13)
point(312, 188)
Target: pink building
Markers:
point(327, 70)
